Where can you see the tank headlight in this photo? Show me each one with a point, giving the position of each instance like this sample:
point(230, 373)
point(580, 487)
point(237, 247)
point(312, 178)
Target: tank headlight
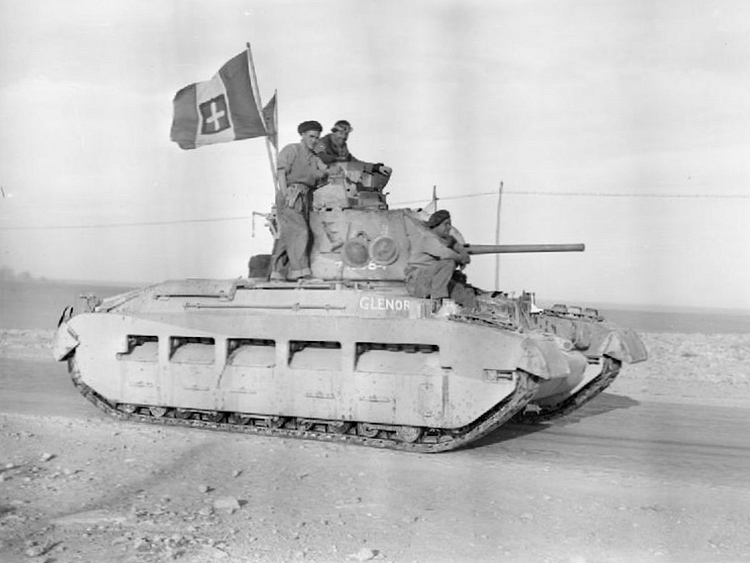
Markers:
point(355, 253)
point(563, 343)
point(384, 250)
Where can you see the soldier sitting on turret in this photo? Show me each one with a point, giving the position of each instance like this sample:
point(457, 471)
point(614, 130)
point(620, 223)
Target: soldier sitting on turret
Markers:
point(431, 271)
point(332, 149)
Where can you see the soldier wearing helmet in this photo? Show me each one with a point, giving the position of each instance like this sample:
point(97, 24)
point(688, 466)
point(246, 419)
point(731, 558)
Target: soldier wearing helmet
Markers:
point(333, 149)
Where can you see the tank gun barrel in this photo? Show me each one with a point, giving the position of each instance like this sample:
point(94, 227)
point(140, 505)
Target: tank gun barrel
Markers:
point(518, 248)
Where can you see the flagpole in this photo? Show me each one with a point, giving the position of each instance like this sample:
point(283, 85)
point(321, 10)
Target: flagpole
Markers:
point(256, 95)
point(276, 121)
point(273, 155)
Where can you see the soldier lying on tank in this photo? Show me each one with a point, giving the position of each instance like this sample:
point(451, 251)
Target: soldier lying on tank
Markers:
point(433, 262)
point(300, 171)
point(333, 148)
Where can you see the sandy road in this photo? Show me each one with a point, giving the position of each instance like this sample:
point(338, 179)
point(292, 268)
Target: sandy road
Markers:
point(622, 480)
point(687, 442)
point(694, 443)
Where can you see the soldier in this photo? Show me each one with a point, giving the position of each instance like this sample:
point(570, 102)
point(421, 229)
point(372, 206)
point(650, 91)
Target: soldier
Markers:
point(300, 171)
point(333, 148)
point(431, 271)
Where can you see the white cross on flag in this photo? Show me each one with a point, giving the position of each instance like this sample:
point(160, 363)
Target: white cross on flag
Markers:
point(222, 109)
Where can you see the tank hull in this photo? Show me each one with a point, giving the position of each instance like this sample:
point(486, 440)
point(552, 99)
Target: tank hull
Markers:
point(360, 364)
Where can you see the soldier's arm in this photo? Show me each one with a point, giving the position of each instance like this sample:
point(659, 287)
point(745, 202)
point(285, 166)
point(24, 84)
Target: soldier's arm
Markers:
point(460, 250)
point(284, 163)
point(438, 248)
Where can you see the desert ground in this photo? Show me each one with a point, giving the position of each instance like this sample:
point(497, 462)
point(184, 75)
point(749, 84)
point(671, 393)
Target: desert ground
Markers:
point(652, 470)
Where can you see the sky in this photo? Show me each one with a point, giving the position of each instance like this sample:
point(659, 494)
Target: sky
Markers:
point(620, 124)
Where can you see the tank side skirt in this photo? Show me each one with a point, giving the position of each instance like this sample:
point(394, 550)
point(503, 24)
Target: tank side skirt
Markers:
point(427, 440)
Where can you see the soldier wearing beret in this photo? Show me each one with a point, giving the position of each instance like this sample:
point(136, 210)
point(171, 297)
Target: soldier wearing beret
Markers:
point(300, 171)
point(431, 271)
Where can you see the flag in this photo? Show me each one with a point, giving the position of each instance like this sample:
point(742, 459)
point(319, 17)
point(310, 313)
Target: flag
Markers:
point(220, 110)
point(270, 119)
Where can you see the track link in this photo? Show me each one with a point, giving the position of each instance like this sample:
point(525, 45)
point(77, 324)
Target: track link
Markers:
point(410, 438)
point(610, 370)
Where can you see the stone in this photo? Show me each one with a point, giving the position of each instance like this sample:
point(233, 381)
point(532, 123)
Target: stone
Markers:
point(227, 504)
point(364, 554)
point(35, 551)
point(142, 545)
point(90, 518)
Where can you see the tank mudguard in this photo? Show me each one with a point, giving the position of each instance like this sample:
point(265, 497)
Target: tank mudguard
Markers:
point(64, 342)
point(624, 345)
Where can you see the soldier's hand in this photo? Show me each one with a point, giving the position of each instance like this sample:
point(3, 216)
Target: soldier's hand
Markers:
point(465, 256)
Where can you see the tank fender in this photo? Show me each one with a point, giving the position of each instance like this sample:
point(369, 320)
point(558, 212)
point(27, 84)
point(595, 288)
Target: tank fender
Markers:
point(544, 358)
point(64, 342)
point(625, 346)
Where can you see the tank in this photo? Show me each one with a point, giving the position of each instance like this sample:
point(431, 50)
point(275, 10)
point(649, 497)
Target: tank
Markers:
point(348, 356)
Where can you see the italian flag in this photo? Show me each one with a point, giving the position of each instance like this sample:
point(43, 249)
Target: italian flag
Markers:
point(225, 108)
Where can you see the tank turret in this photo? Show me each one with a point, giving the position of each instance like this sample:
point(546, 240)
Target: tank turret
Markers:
point(357, 237)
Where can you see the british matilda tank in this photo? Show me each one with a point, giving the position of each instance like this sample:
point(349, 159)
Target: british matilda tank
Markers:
point(348, 356)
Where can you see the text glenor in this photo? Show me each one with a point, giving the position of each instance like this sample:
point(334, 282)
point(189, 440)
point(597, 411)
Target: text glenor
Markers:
point(370, 303)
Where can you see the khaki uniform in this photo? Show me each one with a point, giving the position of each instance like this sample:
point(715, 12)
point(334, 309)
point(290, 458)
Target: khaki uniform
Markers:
point(302, 171)
point(431, 270)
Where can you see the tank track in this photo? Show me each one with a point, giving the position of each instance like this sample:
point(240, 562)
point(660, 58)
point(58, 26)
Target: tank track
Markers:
point(610, 370)
point(410, 438)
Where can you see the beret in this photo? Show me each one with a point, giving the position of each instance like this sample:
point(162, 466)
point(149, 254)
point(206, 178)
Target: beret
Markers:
point(309, 126)
point(437, 218)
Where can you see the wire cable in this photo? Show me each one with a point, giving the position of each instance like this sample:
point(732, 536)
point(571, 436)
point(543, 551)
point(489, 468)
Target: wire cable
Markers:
point(423, 202)
point(133, 224)
point(588, 194)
